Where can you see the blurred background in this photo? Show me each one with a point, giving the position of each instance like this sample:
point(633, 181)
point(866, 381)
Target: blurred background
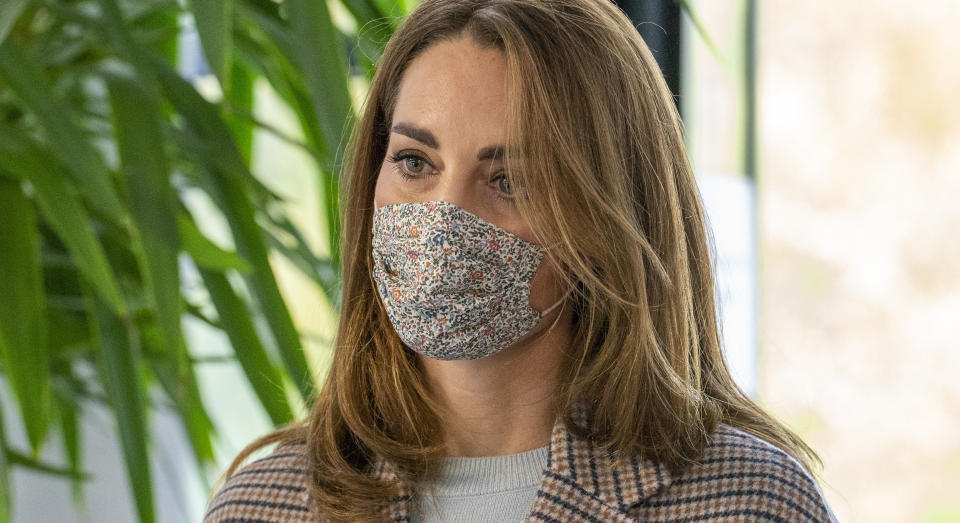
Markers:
point(169, 265)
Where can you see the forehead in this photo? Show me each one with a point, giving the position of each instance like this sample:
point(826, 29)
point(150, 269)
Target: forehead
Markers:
point(454, 87)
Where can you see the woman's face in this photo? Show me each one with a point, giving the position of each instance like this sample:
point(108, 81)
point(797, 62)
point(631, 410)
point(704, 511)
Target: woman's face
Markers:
point(446, 144)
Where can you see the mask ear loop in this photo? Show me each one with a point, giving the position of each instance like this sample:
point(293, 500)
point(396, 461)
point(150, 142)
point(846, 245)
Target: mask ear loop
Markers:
point(561, 302)
point(554, 306)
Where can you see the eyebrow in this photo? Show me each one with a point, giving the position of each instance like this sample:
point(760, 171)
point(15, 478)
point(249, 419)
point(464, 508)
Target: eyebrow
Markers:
point(490, 152)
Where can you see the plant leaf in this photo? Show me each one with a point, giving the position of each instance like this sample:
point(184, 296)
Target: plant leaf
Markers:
point(70, 436)
point(214, 20)
point(365, 11)
point(120, 374)
point(22, 460)
point(23, 326)
point(695, 18)
point(61, 206)
point(320, 270)
point(274, 64)
point(389, 7)
point(206, 253)
point(234, 197)
point(174, 372)
point(27, 80)
point(213, 136)
point(9, 12)
point(241, 97)
point(250, 242)
point(321, 57)
point(153, 201)
point(260, 372)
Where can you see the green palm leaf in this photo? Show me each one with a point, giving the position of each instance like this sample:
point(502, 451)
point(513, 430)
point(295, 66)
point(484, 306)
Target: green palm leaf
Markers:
point(21, 72)
point(99, 138)
point(9, 12)
point(120, 373)
point(23, 328)
point(214, 20)
point(321, 57)
point(206, 253)
point(153, 201)
point(60, 205)
point(250, 352)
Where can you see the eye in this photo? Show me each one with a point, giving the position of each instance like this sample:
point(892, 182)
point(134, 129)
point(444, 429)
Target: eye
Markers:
point(409, 165)
point(503, 184)
point(415, 162)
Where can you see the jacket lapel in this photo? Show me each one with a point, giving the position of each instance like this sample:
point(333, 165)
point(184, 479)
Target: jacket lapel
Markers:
point(580, 482)
point(398, 509)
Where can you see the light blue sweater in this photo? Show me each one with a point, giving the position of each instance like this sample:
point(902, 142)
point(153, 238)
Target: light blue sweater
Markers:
point(485, 489)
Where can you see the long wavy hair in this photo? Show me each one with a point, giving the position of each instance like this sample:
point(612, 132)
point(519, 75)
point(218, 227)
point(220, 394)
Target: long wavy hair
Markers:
point(609, 191)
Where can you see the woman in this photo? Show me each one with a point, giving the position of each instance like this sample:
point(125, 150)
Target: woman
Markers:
point(528, 327)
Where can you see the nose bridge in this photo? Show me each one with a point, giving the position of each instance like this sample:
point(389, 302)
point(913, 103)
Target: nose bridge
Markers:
point(456, 187)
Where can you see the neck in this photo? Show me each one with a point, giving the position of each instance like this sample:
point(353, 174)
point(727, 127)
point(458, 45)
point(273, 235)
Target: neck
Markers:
point(503, 403)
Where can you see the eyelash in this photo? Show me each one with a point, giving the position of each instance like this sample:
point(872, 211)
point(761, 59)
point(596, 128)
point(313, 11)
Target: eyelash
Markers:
point(397, 159)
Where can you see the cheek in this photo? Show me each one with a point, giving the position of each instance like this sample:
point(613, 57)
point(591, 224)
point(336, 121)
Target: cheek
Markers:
point(390, 188)
point(382, 192)
point(545, 286)
point(519, 228)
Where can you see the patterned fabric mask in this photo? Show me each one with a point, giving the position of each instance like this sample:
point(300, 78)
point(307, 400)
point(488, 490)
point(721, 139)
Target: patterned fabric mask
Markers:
point(455, 286)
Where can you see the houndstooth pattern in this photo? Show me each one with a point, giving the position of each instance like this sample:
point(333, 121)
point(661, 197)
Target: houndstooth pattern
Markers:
point(739, 478)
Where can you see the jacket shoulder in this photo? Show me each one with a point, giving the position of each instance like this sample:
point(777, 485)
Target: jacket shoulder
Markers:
point(269, 489)
point(741, 476)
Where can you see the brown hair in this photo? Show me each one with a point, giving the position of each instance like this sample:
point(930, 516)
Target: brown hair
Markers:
point(609, 191)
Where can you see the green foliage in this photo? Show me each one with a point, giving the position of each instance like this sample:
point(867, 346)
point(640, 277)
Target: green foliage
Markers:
point(100, 138)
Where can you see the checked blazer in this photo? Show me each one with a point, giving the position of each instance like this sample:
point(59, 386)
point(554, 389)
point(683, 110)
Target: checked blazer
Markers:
point(739, 478)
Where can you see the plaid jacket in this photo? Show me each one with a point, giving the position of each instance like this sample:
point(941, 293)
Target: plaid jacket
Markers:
point(739, 478)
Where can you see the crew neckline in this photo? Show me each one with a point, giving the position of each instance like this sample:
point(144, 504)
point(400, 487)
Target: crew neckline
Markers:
point(473, 476)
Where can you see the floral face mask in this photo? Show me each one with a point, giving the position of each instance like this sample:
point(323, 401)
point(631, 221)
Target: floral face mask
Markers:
point(455, 286)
